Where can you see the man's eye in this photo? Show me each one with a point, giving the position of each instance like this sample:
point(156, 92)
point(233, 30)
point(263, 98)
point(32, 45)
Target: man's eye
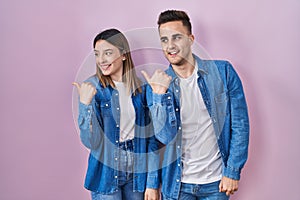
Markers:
point(177, 37)
point(164, 40)
point(96, 54)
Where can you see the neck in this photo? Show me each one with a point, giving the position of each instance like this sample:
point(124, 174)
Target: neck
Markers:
point(117, 76)
point(186, 69)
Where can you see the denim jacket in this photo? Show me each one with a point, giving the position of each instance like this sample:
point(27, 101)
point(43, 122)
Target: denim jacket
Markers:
point(224, 98)
point(99, 131)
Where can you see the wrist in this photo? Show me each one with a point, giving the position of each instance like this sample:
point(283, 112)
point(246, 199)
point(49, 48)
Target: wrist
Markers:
point(85, 102)
point(159, 90)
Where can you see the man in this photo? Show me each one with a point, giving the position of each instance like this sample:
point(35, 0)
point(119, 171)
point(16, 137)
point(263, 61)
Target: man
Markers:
point(200, 114)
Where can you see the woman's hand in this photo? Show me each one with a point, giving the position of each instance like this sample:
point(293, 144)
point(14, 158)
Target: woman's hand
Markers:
point(86, 92)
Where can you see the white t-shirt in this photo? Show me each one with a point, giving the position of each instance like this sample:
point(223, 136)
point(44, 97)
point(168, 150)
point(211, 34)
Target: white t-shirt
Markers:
point(127, 113)
point(200, 152)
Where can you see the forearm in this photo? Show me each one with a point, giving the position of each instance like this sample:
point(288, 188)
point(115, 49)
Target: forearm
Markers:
point(88, 126)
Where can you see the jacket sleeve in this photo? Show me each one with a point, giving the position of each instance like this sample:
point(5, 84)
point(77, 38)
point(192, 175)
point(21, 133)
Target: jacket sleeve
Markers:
point(153, 156)
point(89, 124)
point(239, 126)
point(163, 115)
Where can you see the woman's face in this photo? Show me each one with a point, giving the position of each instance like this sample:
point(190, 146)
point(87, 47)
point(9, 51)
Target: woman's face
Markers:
point(109, 60)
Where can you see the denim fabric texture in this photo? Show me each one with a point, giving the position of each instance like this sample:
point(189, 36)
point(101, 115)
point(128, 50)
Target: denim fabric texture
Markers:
point(208, 191)
point(99, 124)
point(224, 98)
point(125, 180)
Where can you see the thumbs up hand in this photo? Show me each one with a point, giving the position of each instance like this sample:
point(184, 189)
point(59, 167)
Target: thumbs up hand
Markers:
point(159, 81)
point(86, 92)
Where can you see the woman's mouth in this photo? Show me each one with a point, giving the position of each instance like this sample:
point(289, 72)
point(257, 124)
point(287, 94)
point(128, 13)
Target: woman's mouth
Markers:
point(105, 67)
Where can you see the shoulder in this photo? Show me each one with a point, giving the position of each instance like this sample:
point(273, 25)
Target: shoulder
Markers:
point(218, 63)
point(94, 80)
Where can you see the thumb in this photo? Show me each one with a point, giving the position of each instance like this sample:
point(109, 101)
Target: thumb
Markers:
point(221, 186)
point(147, 77)
point(77, 86)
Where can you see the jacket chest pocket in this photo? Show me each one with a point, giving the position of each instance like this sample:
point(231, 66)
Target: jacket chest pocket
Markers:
point(105, 108)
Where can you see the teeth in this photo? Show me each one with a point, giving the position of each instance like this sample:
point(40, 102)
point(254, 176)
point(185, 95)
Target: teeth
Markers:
point(172, 53)
point(104, 66)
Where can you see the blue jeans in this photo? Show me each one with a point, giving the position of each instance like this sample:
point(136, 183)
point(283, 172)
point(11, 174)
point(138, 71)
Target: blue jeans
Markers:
point(125, 177)
point(208, 191)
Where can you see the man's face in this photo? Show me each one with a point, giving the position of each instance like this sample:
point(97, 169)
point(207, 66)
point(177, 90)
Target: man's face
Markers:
point(176, 42)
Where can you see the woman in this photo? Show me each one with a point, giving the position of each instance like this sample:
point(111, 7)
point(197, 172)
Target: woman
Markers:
point(114, 124)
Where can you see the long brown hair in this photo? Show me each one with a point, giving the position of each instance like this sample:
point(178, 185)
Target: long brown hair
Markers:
point(116, 38)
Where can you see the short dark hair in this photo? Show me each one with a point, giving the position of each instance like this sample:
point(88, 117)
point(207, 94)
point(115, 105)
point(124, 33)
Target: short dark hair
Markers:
point(175, 15)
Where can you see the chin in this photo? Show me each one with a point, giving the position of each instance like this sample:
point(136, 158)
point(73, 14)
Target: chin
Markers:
point(105, 73)
point(177, 61)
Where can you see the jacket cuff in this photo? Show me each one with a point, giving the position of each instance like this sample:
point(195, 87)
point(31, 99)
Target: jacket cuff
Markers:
point(232, 173)
point(160, 98)
point(152, 181)
point(85, 113)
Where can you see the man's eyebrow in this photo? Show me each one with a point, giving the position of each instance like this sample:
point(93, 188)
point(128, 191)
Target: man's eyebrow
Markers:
point(177, 34)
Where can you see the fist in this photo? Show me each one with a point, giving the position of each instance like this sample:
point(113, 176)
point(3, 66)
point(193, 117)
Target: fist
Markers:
point(86, 92)
point(159, 81)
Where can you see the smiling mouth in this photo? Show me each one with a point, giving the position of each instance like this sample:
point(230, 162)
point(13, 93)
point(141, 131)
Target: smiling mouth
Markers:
point(105, 67)
point(173, 53)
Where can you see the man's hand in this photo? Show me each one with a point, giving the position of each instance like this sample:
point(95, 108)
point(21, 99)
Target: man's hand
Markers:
point(151, 194)
point(86, 92)
point(228, 185)
point(159, 81)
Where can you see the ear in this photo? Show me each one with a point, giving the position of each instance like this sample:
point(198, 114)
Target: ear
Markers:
point(191, 38)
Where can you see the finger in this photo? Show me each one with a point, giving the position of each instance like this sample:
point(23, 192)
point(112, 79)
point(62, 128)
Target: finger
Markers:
point(228, 193)
point(77, 86)
point(147, 77)
point(221, 186)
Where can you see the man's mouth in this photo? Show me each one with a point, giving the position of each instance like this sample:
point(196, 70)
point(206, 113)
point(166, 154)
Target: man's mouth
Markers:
point(173, 53)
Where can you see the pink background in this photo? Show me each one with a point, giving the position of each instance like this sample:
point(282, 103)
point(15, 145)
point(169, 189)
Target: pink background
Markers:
point(43, 44)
